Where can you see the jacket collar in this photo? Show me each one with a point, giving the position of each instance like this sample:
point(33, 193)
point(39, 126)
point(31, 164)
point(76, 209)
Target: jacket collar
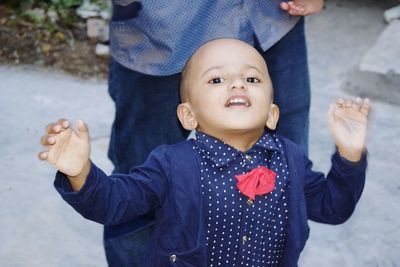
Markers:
point(222, 154)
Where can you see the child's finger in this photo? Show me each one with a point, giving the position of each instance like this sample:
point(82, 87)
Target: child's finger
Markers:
point(358, 102)
point(337, 108)
point(348, 103)
point(82, 129)
point(81, 126)
point(54, 128)
point(50, 128)
point(46, 140)
point(64, 123)
point(285, 6)
point(43, 155)
point(296, 9)
point(365, 106)
point(293, 9)
point(339, 102)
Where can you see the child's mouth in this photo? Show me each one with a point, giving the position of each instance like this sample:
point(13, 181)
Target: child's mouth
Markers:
point(237, 101)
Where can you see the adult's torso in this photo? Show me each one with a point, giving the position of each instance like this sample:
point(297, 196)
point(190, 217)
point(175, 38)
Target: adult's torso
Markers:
point(157, 37)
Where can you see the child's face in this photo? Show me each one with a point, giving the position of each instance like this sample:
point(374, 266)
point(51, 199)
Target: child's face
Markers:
point(227, 89)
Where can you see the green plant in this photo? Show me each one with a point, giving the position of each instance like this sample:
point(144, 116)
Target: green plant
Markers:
point(54, 16)
point(66, 3)
point(25, 5)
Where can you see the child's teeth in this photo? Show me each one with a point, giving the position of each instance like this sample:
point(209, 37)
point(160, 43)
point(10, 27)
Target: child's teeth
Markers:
point(238, 101)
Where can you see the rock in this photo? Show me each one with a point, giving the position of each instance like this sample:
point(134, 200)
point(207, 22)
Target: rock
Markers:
point(46, 48)
point(383, 56)
point(102, 50)
point(105, 15)
point(88, 10)
point(95, 27)
point(60, 37)
point(374, 86)
point(392, 14)
point(104, 34)
point(52, 15)
point(378, 74)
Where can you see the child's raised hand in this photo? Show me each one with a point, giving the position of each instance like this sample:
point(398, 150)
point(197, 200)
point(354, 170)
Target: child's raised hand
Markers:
point(302, 7)
point(348, 123)
point(67, 149)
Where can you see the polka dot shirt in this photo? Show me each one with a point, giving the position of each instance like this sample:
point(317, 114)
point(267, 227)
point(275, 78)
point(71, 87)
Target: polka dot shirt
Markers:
point(239, 233)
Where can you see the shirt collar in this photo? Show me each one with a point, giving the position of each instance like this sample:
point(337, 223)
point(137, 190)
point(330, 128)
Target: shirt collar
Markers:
point(221, 153)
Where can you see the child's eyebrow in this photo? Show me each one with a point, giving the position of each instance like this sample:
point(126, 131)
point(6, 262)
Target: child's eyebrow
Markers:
point(255, 68)
point(248, 66)
point(210, 69)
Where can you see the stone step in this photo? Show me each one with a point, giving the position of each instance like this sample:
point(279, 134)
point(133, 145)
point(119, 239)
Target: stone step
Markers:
point(392, 14)
point(378, 74)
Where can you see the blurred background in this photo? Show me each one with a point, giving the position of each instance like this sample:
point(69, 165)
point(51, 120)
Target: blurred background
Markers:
point(68, 35)
point(54, 63)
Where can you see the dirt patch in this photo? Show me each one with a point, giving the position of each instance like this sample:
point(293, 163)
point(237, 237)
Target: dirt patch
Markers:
point(64, 49)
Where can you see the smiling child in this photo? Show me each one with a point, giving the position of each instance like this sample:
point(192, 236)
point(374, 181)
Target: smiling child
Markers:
point(238, 194)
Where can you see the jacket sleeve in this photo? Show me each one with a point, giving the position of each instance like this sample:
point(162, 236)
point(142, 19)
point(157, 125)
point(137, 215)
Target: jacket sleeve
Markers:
point(332, 199)
point(118, 198)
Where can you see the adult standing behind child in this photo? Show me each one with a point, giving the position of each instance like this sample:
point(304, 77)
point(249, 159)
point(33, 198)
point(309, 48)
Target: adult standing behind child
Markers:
point(151, 41)
point(238, 194)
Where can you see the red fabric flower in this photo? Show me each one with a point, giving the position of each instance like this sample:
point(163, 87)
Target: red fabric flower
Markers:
point(258, 181)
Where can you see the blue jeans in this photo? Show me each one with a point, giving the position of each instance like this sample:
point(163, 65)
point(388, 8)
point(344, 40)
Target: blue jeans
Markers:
point(146, 117)
point(288, 68)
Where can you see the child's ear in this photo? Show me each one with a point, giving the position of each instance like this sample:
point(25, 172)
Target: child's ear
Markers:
point(186, 117)
point(273, 117)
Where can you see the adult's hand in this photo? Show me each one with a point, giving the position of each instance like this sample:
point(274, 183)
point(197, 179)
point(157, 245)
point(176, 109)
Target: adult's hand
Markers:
point(302, 7)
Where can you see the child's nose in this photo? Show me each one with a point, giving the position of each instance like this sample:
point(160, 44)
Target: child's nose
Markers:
point(237, 84)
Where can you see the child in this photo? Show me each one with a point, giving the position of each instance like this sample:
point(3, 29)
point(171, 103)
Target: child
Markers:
point(238, 195)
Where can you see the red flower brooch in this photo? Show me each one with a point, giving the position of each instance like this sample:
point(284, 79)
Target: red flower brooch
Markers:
point(258, 181)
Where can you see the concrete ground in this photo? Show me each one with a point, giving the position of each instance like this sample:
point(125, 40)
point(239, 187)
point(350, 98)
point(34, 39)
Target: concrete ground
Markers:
point(38, 229)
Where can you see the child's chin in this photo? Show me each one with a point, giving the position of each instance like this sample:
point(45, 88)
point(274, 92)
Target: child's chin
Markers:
point(246, 127)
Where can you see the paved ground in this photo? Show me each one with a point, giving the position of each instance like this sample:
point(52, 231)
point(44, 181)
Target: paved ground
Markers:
point(38, 229)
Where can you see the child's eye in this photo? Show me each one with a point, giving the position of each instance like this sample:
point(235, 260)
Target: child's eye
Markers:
point(252, 80)
point(216, 80)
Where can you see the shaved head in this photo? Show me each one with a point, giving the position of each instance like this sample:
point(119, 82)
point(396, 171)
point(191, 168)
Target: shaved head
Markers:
point(226, 90)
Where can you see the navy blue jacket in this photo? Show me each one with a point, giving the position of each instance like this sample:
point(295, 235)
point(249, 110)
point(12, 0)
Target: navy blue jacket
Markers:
point(169, 184)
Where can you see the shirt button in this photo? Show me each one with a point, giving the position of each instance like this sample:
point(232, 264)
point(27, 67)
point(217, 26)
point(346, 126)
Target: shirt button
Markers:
point(173, 258)
point(245, 238)
point(248, 157)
